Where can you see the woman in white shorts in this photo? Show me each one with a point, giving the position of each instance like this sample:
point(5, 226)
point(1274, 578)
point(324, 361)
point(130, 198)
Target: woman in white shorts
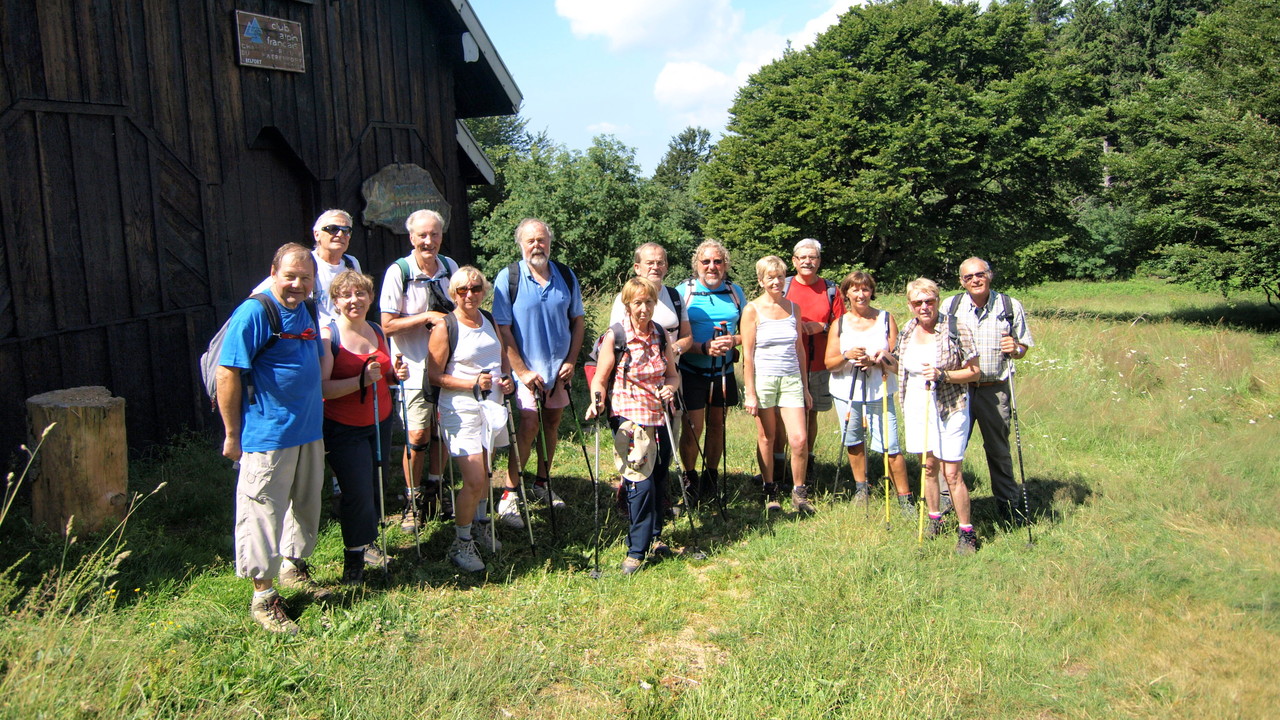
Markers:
point(473, 376)
point(937, 358)
point(864, 379)
point(775, 387)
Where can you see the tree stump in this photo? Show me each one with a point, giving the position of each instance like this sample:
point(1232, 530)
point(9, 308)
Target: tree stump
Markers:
point(82, 469)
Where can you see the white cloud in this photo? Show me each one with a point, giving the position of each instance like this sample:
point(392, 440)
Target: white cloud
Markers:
point(608, 128)
point(670, 26)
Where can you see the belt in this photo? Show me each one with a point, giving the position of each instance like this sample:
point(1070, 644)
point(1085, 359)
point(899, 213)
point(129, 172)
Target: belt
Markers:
point(991, 384)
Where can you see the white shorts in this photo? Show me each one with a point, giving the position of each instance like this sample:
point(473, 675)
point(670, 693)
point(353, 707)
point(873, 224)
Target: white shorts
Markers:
point(470, 428)
point(947, 441)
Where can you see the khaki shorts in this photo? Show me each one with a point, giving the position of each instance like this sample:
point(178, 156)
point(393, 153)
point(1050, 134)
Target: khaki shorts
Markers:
point(819, 388)
point(779, 391)
point(421, 411)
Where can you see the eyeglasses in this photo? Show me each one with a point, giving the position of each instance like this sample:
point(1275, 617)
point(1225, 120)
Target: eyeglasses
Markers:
point(357, 294)
point(336, 229)
point(970, 276)
point(471, 290)
point(810, 258)
point(712, 261)
point(308, 334)
point(922, 303)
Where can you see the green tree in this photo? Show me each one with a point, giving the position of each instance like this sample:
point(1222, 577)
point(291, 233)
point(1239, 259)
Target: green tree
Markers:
point(1200, 160)
point(908, 136)
point(686, 153)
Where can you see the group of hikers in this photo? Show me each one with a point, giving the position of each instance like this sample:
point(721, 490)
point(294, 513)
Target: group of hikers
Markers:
point(302, 381)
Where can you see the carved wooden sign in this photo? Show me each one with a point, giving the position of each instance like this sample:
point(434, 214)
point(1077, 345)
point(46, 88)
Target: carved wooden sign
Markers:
point(270, 43)
point(395, 192)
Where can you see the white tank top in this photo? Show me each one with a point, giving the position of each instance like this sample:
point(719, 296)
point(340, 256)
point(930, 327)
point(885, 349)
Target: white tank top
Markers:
point(478, 350)
point(849, 380)
point(776, 347)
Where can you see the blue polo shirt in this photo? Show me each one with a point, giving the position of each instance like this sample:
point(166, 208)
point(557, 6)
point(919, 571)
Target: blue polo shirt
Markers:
point(540, 319)
point(287, 408)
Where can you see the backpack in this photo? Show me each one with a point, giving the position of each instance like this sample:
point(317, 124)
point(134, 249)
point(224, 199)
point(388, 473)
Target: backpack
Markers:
point(728, 289)
point(619, 350)
point(1006, 311)
point(451, 330)
point(436, 299)
point(335, 342)
point(513, 281)
point(209, 360)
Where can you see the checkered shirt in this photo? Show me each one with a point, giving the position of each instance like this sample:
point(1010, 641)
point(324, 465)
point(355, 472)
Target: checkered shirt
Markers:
point(634, 387)
point(987, 325)
point(950, 397)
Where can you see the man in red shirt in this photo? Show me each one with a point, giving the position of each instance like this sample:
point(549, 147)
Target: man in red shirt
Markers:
point(820, 305)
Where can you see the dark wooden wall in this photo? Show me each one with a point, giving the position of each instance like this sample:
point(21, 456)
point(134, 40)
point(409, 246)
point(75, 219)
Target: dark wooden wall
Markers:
point(146, 177)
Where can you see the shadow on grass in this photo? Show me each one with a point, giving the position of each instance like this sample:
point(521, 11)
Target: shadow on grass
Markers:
point(1250, 316)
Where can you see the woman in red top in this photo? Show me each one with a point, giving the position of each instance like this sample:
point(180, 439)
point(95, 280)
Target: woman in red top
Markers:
point(355, 366)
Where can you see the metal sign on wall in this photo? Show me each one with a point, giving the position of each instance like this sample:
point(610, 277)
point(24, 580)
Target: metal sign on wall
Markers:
point(270, 43)
point(393, 194)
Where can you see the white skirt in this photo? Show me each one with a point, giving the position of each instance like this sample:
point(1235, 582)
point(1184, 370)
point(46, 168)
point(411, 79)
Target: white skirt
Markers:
point(471, 427)
point(946, 441)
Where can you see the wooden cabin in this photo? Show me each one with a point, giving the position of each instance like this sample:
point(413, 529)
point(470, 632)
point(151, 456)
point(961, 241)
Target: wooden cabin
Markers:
point(154, 153)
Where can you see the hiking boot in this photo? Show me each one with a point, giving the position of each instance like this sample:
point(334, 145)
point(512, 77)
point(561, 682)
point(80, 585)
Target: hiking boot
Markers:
point(353, 567)
point(660, 549)
point(269, 613)
point(771, 498)
point(707, 485)
point(299, 578)
point(375, 557)
point(543, 493)
point(907, 505)
point(485, 539)
point(690, 482)
point(800, 500)
point(944, 503)
point(968, 543)
point(933, 527)
point(630, 565)
point(463, 554)
point(861, 494)
point(509, 509)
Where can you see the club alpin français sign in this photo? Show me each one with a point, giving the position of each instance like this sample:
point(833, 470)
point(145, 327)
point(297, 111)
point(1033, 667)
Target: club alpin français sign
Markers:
point(395, 192)
point(270, 43)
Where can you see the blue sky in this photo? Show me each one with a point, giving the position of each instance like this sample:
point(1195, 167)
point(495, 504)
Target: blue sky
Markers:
point(641, 70)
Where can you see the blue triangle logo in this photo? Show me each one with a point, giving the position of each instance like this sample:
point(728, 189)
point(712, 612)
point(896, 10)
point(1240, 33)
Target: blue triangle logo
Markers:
point(253, 31)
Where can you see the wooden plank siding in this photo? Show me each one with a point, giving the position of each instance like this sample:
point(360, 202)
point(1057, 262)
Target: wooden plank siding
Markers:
point(149, 177)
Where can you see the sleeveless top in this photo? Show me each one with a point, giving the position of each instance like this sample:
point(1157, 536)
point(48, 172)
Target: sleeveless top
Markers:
point(352, 409)
point(846, 383)
point(478, 349)
point(776, 346)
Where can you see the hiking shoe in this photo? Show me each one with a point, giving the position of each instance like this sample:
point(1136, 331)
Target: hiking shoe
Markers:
point(800, 500)
point(353, 567)
point(907, 505)
point(463, 554)
point(933, 527)
point(509, 510)
point(944, 503)
point(485, 539)
point(707, 486)
point(543, 493)
point(269, 613)
point(630, 565)
point(771, 498)
point(375, 557)
point(690, 482)
point(861, 494)
point(968, 543)
point(299, 578)
point(660, 549)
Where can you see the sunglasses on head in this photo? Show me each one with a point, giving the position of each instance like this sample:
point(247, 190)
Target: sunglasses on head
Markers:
point(335, 229)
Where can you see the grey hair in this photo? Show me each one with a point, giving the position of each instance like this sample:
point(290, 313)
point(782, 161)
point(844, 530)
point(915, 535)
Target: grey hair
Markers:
point(417, 215)
point(649, 246)
point(807, 243)
point(530, 221)
point(990, 273)
point(709, 244)
point(923, 285)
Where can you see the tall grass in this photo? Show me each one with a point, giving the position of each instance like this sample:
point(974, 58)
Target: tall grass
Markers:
point(1150, 590)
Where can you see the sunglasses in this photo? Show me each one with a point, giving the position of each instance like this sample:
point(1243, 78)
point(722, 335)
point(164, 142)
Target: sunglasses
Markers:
point(716, 261)
point(336, 229)
point(922, 303)
point(970, 276)
point(471, 290)
point(308, 334)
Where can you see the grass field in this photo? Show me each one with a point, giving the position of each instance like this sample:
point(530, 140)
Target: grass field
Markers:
point(1152, 588)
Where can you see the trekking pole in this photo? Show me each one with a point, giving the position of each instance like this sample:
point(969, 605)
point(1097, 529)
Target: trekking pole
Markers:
point(404, 418)
point(844, 428)
point(684, 493)
point(487, 456)
point(1017, 435)
point(513, 462)
point(924, 458)
point(542, 442)
point(382, 496)
point(884, 440)
point(726, 367)
point(866, 445)
point(595, 491)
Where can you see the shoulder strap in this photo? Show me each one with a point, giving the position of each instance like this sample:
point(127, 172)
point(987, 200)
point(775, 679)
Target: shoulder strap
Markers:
point(274, 322)
point(831, 299)
point(451, 330)
point(349, 261)
point(676, 302)
point(1006, 310)
point(513, 283)
point(786, 285)
point(952, 303)
point(953, 330)
point(335, 343)
point(405, 274)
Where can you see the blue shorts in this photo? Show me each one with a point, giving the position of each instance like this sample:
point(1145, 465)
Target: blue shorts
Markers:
point(852, 426)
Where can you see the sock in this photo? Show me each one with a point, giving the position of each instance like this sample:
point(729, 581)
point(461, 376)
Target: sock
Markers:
point(540, 482)
point(463, 532)
point(259, 594)
point(861, 486)
point(935, 516)
point(435, 479)
point(360, 548)
point(411, 492)
point(509, 492)
point(966, 528)
point(482, 509)
point(779, 457)
point(909, 496)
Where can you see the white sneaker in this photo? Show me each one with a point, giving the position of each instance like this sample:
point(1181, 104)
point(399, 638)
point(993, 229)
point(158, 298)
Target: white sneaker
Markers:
point(541, 493)
point(509, 511)
point(485, 539)
point(463, 554)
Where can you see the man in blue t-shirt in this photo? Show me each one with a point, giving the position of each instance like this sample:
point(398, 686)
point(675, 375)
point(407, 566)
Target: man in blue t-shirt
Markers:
point(542, 331)
point(276, 435)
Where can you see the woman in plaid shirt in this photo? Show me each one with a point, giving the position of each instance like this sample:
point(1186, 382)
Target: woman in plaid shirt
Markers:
point(644, 380)
point(937, 359)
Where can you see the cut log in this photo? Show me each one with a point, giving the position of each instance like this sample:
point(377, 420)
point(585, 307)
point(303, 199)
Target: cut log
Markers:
point(82, 469)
